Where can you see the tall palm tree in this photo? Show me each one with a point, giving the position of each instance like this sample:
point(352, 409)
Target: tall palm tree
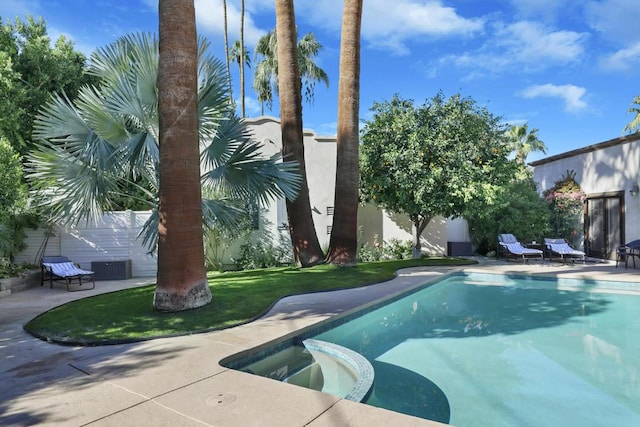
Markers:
point(343, 244)
point(265, 80)
point(182, 276)
point(524, 141)
point(110, 134)
point(226, 47)
point(634, 125)
point(306, 248)
point(241, 59)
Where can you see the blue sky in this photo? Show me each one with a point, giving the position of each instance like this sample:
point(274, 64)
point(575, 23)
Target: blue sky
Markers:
point(566, 67)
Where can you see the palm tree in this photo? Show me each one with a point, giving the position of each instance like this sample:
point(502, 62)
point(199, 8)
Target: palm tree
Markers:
point(343, 244)
point(110, 135)
point(524, 142)
point(306, 248)
point(242, 56)
point(634, 125)
point(241, 60)
point(265, 80)
point(182, 277)
point(226, 47)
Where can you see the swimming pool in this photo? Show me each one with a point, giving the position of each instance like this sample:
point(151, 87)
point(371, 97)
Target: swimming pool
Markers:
point(493, 350)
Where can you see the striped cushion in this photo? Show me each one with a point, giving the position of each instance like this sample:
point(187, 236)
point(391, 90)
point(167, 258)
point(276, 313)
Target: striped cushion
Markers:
point(66, 269)
point(564, 249)
point(518, 249)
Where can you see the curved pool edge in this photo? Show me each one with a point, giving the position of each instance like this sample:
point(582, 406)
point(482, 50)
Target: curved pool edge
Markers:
point(364, 371)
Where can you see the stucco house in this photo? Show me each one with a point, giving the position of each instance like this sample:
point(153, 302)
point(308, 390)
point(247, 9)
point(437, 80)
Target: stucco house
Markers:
point(609, 174)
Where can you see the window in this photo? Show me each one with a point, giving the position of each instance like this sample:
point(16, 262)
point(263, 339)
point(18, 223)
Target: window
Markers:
point(329, 210)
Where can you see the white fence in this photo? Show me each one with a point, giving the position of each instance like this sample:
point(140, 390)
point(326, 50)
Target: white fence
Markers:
point(113, 237)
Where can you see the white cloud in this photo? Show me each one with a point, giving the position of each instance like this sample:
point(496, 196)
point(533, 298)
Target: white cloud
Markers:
point(391, 27)
point(10, 9)
point(616, 20)
point(571, 95)
point(522, 46)
point(210, 18)
point(622, 60)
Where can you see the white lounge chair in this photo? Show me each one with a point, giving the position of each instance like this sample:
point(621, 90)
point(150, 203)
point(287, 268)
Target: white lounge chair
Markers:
point(60, 268)
point(562, 249)
point(508, 245)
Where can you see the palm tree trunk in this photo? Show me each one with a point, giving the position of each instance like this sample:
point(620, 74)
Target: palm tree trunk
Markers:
point(242, 56)
point(226, 49)
point(182, 282)
point(343, 244)
point(306, 248)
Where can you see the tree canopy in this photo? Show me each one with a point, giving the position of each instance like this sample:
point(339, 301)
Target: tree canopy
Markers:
point(432, 159)
point(265, 80)
point(30, 71)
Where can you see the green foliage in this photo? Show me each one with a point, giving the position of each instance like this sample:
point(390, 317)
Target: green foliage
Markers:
point(264, 251)
point(103, 146)
point(566, 209)
point(524, 141)
point(634, 124)
point(394, 249)
point(265, 80)
point(516, 208)
point(9, 269)
point(434, 159)
point(30, 71)
point(14, 215)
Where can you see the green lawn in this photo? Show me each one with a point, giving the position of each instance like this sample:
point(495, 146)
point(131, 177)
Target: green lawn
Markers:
point(238, 297)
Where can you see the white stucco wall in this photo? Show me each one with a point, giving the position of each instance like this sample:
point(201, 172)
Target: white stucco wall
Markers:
point(602, 168)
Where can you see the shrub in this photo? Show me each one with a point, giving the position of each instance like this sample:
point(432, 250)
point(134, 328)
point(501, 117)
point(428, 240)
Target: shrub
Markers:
point(566, 208)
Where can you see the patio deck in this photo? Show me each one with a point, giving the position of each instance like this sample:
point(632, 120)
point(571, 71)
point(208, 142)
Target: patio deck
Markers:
point(178, 381)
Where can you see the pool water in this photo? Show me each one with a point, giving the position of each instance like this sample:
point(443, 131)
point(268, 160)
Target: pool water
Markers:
point(491, 350)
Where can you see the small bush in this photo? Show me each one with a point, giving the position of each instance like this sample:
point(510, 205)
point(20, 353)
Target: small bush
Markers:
point(391, 250)
point(264, 253)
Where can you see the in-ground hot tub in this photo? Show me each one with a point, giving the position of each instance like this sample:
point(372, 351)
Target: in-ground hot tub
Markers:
point(314, 364)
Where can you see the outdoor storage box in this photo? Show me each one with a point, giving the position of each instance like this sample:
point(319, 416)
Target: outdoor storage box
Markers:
point(112, 270)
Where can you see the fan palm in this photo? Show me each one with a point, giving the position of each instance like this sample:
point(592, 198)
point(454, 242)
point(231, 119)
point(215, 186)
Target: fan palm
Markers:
point(524, 141)
point(634, 125)
point(265, 80)
point(109, 135)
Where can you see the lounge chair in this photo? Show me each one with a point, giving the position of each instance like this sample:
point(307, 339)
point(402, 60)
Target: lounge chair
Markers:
point(630, 250)
point(561, 248)
point(508, 245)
point(60, 268)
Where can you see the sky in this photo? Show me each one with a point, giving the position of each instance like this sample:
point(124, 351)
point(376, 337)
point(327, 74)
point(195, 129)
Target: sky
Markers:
point(566, 67)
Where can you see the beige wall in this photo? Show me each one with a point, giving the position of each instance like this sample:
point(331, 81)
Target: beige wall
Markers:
point(608, 169)
point(320, 162)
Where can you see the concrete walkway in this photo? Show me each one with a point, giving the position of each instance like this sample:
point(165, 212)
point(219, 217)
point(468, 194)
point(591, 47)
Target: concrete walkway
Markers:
point(179, 382)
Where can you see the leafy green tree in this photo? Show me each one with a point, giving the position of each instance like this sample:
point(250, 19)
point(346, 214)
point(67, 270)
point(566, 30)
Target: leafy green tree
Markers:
point(95, 147)
point(265, 79)
point(516, 207)
point(634, 125)
point(524, 141)
point(14, 216)
point(433, 159)
point(30, 71)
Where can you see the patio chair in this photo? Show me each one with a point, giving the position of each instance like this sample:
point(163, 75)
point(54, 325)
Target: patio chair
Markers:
point(508, 245)
point(60, 268)
point(629, 250)
point(561, 248)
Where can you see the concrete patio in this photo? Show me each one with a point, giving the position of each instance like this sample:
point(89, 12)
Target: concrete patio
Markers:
point(179, 382)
